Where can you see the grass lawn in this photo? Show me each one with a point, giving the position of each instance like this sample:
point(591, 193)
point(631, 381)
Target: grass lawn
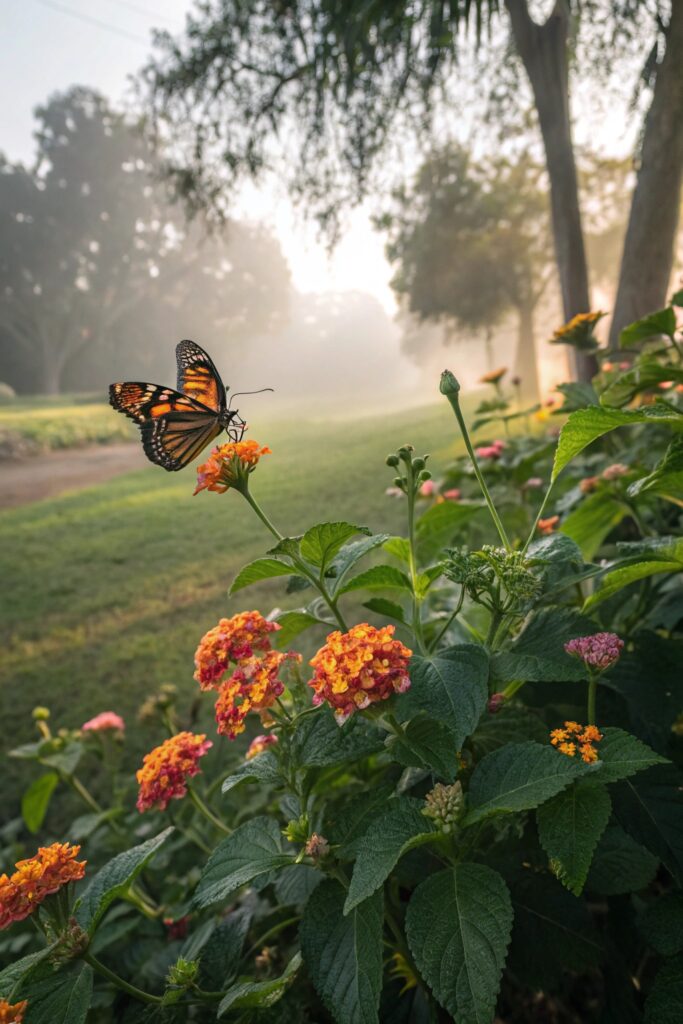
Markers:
point(106, 592)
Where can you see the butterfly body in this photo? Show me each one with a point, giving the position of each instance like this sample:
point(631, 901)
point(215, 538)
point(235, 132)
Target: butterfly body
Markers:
point(177, 425)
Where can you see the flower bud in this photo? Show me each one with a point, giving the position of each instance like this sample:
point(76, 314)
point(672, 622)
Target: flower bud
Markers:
point(495, 703)
point(398, 482)
point(40, 714)
point(317, 846)
point(183, 973)
point(444, 805)
point(425, 475)
point(419, 463)
point(392, 460)
point(296, 830)
point(449, 384)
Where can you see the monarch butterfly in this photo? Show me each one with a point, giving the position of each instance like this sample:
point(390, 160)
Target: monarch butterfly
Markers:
point(177, 425)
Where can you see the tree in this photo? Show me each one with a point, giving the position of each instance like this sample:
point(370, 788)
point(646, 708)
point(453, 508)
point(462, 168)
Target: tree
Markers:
point(341, 78)
point(95, 257)
point(471, 242)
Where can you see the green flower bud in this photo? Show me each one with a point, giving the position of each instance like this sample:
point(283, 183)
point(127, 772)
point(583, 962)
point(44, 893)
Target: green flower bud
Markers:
point(183, 973)
point(40, 714)
point(418, 464)
point(425, 475)
point(392, 460)
point(399, 482)
point(449, 384)
point(444, 805)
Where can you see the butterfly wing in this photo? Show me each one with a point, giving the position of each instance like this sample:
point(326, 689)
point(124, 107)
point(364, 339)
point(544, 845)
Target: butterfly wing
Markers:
point(198, 377)
point(175, 427)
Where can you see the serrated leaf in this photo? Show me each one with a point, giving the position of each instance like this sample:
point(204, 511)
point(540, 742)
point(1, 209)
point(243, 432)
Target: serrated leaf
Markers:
point(36, 800)
point(538, 654)
point(511, 724)
point(264, 769)
point(458, 927)
point(288, 546)
point(295, 884)
point(451, 686)
point(12, 975)
point(586, 425)
point(569, 827)
point(442, 525)
point(661, 322)
point(259, 994)
point(114, 879)
point(379, 577)
point(343, 955)
point(427, 743)
point(58, 996)
point(519, 777)
point(620, 864)
point(293, 623)
point(664, 1005)
point(617, 579)
point(388, 609)
point(399, 547)
point(650, 808)
point(645, 374)
point(666, 479)
point(321, 543)
point(350, 554)
point(260, 569)
point(662, 924)
point(622, 755)
point(401, 828)
point(591, 521)
point(253, 849)
point(319, 741)
point(348, 821)
point(222, 951)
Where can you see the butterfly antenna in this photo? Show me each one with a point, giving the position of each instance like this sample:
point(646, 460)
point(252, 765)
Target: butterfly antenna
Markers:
point(238, 394)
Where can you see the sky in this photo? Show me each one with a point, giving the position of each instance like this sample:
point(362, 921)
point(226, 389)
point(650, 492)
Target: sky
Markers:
point(99, 43)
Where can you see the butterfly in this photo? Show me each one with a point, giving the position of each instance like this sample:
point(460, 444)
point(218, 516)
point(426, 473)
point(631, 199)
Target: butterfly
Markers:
point(177, 425)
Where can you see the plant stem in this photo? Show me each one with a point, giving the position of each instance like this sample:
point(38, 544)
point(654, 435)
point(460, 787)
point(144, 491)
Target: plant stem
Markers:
point(206, 811)
point(592, 693)
point(137, 993)
point(275, 930)
point(412, 562)
point(546, 498)
point(450, 388)
point(449, 620)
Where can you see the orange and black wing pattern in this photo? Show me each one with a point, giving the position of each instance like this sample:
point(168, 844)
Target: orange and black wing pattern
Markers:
point(198, 377)
point(175, 427)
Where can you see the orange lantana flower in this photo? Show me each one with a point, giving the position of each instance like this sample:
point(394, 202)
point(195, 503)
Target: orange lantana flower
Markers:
point(236, 640)
point(229, 465)
point(359, 668)
point(253, 686)
point(494, 376)
point(547, 526)
point(36, 878)
point(166, 769)
point(574, 735)
point(12, 1014)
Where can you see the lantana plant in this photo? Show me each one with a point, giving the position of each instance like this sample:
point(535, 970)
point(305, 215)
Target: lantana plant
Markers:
point(456, 800)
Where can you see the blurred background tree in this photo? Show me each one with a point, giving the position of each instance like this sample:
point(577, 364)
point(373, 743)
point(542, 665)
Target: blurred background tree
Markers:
point(337, 85)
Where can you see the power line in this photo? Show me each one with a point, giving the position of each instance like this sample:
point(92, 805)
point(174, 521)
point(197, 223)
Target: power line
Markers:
point(61, 9)
point(144, 12)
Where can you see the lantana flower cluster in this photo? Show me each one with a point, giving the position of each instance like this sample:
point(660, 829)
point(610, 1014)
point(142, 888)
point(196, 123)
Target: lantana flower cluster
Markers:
point(491, 451)
point(12, 1013)
point(166, 769)
point(359, 668)
point(575, 737)
point(597, 652)
point(36, 878)
point(259, 744)
point(229, 465)
point(254, 684)
point(104, 722)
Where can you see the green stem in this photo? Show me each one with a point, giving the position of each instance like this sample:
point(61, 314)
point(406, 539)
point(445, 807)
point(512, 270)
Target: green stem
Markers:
point(450, 388)
point(449, 620)
point(546, 498)
point(275, 930)
point(412, 561)
point(137, 993)
point(592, 693)
point(206, 811)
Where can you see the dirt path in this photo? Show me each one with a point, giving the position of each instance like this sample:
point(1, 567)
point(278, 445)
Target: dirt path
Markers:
point(46, 476)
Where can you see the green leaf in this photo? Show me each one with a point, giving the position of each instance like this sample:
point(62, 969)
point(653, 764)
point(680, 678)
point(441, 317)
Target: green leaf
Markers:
point(295, 884)
point(114, 880)
point(221, 952)
point(427, 743)
point(58, 996)
point(569, 827)
point(260, 569)
point(379, 577)
point(591, 521)
point(512, 724)
point(36, 800)
point(662, 924)
point(65, 760)
point(538, 654)
point(321, 543)
point(399, 829)
point(343, 954)
point(677, 298)
point(615, 581)
point(622, 755)
point(348, 821)
point(399, 547)
point(253, 849)
point(288, 546)
point(664, 1005)
point(458, 928)
point(387, 609)
point(620, 865)
point(259, 994)
point(352, 553)
point(263, 768)
point(645, 374)
point(12, 975)
point(650, 808)
point(666, 479)
point(586, 425)
point(319, 741)
point(661, 322)
point(451, 686)
point(442, 525)
point(293, 623)
point(519, 777)
point(553, 932)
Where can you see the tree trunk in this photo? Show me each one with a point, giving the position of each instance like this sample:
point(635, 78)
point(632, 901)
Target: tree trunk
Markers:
point(543, 51)
point(653, 221)
point(526, 367)
point(50, 372)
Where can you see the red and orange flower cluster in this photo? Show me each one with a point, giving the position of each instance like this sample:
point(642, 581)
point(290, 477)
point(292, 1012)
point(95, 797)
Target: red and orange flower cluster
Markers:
point(259, 744)
point(229, 465)
point(577, 737)
point(36, 878)
point(359, 668)
point(254, 684)
point(166, 769)
point(12, 1013)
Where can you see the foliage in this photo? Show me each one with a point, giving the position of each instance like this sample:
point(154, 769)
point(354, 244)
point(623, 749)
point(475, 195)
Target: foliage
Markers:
point(498, 808)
